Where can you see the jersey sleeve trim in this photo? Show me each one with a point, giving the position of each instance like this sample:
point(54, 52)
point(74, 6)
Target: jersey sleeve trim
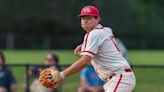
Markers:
point(91, 54)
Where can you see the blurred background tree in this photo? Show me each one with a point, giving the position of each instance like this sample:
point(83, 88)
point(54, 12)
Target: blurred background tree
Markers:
point(53, 24)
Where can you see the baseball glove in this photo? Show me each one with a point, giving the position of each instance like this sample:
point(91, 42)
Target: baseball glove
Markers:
point(48, 78)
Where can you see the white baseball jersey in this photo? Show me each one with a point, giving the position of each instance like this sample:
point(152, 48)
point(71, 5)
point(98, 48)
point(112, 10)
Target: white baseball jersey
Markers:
point(100, 44)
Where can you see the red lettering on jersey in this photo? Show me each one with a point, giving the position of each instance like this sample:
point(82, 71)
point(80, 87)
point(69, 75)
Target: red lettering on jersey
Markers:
point(115, 44)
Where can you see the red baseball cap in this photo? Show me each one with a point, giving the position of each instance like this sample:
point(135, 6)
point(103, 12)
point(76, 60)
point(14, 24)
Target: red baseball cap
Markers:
point(89, 11)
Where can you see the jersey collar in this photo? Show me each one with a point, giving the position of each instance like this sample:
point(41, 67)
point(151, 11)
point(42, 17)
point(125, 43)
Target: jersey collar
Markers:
point(99, 26)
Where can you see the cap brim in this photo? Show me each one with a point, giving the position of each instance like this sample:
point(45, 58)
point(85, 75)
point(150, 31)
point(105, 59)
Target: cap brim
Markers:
point(86, 15)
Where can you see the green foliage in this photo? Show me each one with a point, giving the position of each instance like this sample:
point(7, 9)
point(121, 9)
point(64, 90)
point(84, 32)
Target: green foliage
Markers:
point(131, 20)
point(40, 15)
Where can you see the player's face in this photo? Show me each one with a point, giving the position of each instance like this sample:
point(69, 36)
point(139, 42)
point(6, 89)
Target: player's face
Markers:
point(88, 23)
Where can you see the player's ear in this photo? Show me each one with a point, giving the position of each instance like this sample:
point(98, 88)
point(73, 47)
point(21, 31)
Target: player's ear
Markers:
point(98, 19)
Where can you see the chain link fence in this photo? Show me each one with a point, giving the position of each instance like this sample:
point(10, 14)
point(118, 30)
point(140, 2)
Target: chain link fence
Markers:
point(149, 78)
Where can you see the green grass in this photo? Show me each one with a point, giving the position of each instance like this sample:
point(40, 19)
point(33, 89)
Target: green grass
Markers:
point(148, 79)
point(37, 56)
point(151, 57)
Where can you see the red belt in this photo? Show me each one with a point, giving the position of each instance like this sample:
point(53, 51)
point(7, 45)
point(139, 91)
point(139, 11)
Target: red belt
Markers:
point(126, 70)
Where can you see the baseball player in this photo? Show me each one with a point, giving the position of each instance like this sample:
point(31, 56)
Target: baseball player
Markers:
point(100, 49)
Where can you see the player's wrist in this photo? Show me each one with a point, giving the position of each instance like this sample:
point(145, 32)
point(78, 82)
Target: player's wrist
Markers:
point(62, 74)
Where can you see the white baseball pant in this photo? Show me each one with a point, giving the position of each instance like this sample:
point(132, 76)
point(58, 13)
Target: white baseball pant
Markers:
point(122, 82)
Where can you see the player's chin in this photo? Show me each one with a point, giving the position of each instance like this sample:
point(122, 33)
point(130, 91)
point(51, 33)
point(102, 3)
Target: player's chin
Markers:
point(86, 29)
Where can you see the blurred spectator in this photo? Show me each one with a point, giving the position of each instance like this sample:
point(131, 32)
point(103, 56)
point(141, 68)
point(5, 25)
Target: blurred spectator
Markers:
point(2, 89)
point(89, 81)
point(7, 80)
point(51, 60)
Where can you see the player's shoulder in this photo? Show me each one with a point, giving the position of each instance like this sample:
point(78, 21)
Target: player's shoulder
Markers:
point(108, 28)
point(100, 31)
point(94, 33)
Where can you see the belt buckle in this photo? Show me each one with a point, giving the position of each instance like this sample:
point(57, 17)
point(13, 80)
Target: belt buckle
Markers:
point(128, 70)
